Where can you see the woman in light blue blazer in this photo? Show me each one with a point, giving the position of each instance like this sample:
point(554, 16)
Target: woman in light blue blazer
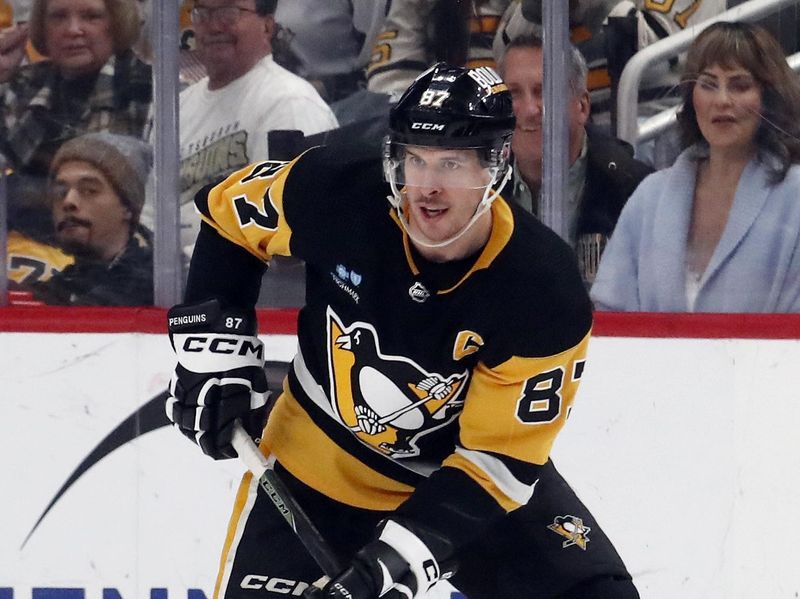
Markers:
point(719, 231)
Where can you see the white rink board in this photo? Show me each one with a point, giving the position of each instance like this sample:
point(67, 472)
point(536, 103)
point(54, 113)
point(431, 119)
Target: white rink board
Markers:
point(686, 451)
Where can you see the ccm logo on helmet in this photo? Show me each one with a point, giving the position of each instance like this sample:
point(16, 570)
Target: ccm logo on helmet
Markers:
point(427, 126)
point(283, 586)
point(223, 345)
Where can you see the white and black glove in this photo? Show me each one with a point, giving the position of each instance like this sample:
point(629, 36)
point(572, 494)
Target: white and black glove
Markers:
point(397, 564)
point(219, 377)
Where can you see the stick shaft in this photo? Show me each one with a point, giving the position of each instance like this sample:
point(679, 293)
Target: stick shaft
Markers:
point(276, 490)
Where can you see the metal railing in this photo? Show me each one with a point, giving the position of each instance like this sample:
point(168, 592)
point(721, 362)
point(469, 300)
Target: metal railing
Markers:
point(628, 127)
point(3, 232)
point(555, 129)
point(167, 259)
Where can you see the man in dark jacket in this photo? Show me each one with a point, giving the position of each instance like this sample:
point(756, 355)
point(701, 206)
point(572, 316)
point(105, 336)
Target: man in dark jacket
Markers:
point(603, 172)
point(96, 190)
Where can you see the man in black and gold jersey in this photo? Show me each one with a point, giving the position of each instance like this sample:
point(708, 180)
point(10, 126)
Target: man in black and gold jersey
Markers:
point(440, 349)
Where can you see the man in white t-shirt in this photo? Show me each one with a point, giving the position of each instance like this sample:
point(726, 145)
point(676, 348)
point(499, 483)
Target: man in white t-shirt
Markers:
point(225, 117)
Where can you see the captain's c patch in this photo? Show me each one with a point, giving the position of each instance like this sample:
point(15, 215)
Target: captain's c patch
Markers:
point(467, 342)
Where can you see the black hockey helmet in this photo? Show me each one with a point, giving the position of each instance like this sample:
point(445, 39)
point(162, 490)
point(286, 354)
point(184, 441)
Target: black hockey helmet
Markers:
point(454, 107)
point(447, 108)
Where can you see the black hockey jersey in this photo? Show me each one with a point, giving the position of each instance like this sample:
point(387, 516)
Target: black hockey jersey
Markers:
point(461, 372)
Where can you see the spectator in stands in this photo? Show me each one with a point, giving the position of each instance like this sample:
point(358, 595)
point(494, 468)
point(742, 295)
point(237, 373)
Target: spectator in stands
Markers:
point(225, 117)
point(718, 231)
point(629, 28)
point(632, 26)
point(419, 33)
point(91, 80)
point(524, 17)
point(96, 189)
point(608, 33)
point(330, 41)
point(602, 173)
point(415, 35)
point(32, 250)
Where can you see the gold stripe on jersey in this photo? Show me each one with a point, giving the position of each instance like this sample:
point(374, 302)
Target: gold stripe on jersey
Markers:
point(598, 77)
point(518, 407)
point(486, 483)
point(682, 18)
point(484, 24)
point(382, 51)
point(257, 187)
point(502, 228)
point(311, 456)
point(245, 497)
point(579, 33)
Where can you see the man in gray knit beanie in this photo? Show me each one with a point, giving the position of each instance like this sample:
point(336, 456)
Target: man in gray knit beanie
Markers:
point(124, 160)
point(96, 191)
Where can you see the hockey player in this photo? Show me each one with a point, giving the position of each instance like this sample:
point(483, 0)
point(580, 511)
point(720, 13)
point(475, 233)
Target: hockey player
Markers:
point(440, 349)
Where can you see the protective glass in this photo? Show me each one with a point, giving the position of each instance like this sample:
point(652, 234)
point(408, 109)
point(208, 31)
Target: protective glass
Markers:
point(423, 166)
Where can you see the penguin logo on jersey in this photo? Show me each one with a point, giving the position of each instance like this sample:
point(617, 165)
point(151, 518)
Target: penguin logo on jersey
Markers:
point(388, 402)
point(572, 529)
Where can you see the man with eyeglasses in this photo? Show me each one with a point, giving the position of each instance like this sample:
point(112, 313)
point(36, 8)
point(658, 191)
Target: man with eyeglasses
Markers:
point(225, 117)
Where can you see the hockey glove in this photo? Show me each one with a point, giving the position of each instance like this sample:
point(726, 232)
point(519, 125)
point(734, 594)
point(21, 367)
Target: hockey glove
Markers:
point(219, 377)
point(397, 564)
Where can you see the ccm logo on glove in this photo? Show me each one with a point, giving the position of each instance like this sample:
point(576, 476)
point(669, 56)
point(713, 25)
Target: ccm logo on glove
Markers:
point(219, 379)
point(223, 345)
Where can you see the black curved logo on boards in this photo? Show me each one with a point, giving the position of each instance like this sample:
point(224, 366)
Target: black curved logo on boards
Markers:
point(149, 417)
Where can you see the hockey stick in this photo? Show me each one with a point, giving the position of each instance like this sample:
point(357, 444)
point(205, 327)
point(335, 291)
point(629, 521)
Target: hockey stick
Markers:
point(263, 468)
point(396, 414)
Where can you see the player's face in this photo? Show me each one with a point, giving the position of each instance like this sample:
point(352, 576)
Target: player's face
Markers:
point(523, 72)
point(443, 188)
point(88, 214)
point(78, 35)
point(231, 37)
point(728, 103)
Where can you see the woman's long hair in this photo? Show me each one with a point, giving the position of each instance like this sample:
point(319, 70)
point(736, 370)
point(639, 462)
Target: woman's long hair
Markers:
point(752, 48)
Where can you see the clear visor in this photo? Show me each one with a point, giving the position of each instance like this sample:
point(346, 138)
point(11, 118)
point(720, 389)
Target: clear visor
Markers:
point(432, 167)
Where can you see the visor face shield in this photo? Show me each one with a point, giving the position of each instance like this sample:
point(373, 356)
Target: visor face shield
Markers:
point(429, 167)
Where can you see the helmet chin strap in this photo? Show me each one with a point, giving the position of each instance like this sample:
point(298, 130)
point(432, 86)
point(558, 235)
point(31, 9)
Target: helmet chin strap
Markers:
point(490, 194)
